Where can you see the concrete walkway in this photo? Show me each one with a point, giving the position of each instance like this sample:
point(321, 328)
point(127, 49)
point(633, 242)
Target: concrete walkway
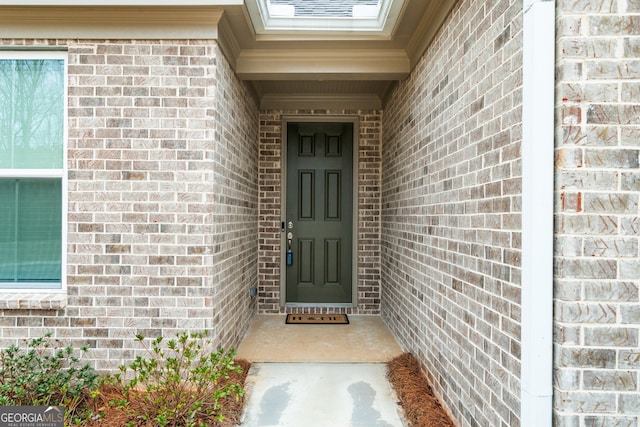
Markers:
point(319, 375)
point(366, 339)
point(320, 395)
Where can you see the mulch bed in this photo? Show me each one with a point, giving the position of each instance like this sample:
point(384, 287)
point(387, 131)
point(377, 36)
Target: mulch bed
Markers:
point(231, 409)
point(420, 405)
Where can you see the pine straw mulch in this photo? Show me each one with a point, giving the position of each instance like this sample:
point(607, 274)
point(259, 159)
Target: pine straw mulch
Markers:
point(421, 407)
point(231, 409)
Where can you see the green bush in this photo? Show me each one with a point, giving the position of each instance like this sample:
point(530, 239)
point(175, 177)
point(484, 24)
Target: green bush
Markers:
point(44, 373)
point(180, 383)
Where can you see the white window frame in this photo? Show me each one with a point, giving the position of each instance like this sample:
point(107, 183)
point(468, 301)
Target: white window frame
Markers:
point(377, 20)
point(33, 295)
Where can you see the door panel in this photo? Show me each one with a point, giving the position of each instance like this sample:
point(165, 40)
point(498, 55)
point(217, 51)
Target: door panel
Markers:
point(319, 205)
point(333, 195)
point(332, 262)
point(306, 196)
point(306, 264)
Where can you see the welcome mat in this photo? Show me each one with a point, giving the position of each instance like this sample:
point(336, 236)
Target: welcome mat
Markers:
point(317, 319)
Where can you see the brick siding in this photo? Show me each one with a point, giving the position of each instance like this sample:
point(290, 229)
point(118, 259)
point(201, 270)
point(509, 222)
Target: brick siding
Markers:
point(451, 196)
point(369, 158)
point(597, 264)
point(163, 200)
point(174, 207)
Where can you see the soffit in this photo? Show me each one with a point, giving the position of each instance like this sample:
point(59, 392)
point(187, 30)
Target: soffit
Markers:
point(329, 69)
point(286, 69)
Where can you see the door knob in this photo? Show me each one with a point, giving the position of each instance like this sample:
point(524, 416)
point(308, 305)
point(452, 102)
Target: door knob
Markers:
point(289, 251)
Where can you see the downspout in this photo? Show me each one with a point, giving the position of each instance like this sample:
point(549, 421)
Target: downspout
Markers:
point(538, 102)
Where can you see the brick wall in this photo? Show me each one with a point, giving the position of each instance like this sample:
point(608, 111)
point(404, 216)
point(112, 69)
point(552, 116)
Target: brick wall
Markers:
point(162, 222)
point(368, 211)
point(451, 193)
point(597, 269)
point(235, 203)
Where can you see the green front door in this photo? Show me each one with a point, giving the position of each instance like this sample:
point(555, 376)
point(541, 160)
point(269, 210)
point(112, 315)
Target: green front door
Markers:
point(319, 213)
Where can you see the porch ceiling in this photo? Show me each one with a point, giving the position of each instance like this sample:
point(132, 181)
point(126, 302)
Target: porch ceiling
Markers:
point(286, 69)
point(331, 69)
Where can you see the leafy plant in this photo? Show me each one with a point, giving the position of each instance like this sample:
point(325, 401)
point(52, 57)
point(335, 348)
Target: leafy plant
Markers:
point(44, 373)
point(181, 383)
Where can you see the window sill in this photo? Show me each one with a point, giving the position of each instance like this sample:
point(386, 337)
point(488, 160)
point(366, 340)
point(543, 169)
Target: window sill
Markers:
point(53, 299)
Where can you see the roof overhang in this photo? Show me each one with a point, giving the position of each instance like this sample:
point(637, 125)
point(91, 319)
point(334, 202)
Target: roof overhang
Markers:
point(287, 68)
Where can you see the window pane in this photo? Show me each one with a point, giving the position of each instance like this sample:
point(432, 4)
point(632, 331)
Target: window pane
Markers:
point(8, 247)
point(324, 8)
point(31, 114)
point(31, 236)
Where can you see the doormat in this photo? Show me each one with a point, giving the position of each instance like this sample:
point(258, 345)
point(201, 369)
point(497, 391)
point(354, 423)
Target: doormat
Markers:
point(317, 319)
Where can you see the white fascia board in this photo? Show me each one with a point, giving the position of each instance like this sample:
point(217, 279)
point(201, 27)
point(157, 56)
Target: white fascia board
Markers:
point(320, 101)
point(374, 64)
point(110, 22)
point(538, 102)
point(123, 3)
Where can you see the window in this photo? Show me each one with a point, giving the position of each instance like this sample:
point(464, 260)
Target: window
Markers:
point(374, 17)
point(32, 169)
point(325, 8)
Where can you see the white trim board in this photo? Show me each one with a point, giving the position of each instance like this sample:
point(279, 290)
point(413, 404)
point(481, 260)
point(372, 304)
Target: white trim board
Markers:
point(538, 94)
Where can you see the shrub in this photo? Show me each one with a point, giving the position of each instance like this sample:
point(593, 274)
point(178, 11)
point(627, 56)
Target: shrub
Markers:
point(181, 383)
point(46, 374)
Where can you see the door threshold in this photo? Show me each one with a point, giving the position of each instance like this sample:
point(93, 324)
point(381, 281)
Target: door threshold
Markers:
point(318, 305)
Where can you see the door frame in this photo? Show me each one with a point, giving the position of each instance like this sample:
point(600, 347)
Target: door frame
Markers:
point(355, 120)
